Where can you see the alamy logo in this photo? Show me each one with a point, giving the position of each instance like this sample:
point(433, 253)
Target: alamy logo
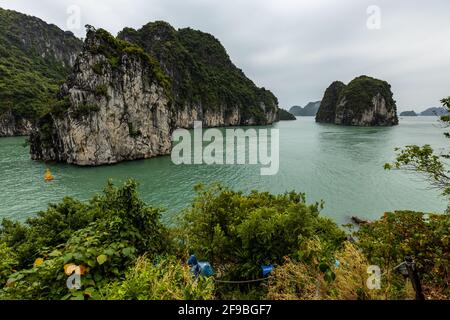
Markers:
point(74, 279)
point(374, 280)
point(374, 18)
point(238, 146)
point(74, 17)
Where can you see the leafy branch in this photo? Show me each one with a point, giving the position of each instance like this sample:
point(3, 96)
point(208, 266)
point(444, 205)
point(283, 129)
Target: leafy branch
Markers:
point(424, 160)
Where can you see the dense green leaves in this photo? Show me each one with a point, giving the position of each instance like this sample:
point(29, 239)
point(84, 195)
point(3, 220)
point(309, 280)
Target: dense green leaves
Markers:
point(48, 229)
point(29, 71)
point(102, 237)
point(8, 262)
point(120, 249)
point(242, 232)
point(164, 279)
point(426, 238)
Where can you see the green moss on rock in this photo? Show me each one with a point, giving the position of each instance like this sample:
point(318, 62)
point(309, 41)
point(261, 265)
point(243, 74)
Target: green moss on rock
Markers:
point(327, 109)
point(114, 49)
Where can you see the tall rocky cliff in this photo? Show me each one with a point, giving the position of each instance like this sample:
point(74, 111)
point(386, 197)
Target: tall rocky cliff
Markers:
point(327, 109)
point(365, 101)
point(34, 58)
point(206, 84)
point(124, 98)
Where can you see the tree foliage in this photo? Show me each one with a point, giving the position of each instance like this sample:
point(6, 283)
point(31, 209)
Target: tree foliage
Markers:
point(201, 70)
point(424, 160)
point(163, 279)
point(102, 237)
point(424, 237)
point(121, 250)
point(34, 58)
point(239, 233)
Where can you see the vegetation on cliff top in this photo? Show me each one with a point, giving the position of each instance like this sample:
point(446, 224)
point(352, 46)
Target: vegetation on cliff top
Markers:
point(30, 71)
point(114, 48)
point(201, 69)
point(345, 104)
point(359, 92)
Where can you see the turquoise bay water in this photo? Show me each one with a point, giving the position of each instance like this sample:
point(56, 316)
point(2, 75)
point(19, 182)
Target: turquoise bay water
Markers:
point(341, 165)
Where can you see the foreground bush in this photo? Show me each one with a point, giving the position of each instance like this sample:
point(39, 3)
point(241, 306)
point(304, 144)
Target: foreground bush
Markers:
point(124, 228)
point(304, 280)
point(387, 241)
point(165, 279)
point(48, 229)
point(8, 261)
point(351, 277)
point(238, 233)
point(121, 250)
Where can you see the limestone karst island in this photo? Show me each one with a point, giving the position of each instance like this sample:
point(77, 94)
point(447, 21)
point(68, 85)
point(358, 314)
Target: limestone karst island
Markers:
point(365, 101)
point(243, 152)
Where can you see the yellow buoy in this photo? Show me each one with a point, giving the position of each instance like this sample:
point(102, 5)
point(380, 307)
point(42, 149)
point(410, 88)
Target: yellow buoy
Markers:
point(48, 176)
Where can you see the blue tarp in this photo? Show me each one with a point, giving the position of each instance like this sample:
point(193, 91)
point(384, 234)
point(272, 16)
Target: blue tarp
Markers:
point(266, 270)
point(202, 268)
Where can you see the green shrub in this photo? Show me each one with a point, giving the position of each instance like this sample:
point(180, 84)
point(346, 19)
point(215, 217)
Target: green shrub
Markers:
point(239, 233)
point(113, 62)
point(304, 280)
point(48, 229)
point(85, 109)
point(387, 241)
point(98, 68)
point(166, 279)
point(123, 228)
point(59, 107)
point(124, 252)
point(8, 262)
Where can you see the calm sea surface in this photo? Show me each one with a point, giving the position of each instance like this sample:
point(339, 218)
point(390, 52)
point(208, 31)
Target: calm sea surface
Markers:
point(341, 165)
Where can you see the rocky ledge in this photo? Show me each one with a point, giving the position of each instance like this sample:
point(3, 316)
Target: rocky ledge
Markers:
point(12, 125)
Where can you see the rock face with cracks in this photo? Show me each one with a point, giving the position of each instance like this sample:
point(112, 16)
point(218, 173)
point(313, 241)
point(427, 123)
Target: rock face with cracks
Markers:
point(123, 100)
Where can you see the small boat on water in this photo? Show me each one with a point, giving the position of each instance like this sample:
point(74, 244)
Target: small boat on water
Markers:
point(48, 176)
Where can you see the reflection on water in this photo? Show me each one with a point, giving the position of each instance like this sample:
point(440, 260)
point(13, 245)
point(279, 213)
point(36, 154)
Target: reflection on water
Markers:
point(341, 165)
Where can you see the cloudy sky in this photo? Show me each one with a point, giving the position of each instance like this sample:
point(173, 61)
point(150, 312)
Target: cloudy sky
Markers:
point(296, 48)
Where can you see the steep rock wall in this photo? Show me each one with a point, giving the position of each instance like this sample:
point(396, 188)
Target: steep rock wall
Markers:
point(119, 105)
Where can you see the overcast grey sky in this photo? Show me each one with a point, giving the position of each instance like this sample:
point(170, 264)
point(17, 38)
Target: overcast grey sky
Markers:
point(297, 48)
